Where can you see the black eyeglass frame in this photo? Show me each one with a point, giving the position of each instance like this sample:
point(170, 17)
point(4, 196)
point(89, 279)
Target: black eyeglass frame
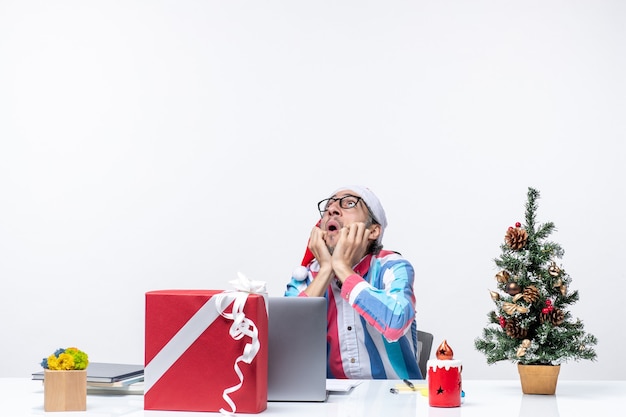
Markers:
point(323, 205)
point(326, 202)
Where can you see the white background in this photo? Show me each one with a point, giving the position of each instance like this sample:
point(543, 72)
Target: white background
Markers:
point(169, 144)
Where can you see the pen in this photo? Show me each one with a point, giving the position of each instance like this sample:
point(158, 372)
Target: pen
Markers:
point(409, 384)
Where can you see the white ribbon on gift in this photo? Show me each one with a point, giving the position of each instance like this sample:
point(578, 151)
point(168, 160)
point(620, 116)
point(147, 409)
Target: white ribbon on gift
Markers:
point(200, 321)
point(241, 327)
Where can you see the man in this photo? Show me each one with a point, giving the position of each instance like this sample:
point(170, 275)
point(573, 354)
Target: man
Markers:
point(371, 305)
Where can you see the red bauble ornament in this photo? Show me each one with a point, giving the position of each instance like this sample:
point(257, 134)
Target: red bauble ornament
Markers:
point(518, 224)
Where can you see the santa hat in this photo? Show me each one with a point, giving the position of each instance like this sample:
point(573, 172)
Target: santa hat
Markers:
point(377, 211)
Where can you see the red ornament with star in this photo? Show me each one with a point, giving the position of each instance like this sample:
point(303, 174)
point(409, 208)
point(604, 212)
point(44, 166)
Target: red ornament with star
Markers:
point(444, 378)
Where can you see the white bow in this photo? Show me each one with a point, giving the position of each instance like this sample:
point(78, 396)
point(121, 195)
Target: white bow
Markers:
point(241, 327)
point(250, 286)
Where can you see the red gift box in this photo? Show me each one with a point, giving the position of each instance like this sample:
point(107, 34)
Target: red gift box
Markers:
point(191, 358)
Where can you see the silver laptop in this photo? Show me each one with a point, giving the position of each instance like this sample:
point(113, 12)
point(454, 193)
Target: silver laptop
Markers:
point(297, 349)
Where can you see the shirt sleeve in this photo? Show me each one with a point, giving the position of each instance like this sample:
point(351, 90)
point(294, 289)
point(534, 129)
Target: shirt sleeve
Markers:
point(387, 302)
point(296, 287)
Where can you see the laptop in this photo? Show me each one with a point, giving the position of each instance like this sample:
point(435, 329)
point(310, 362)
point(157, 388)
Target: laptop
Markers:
point(297, 349)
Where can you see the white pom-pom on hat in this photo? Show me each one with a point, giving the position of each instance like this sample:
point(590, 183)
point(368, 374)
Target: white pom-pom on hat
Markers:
point(300, 273)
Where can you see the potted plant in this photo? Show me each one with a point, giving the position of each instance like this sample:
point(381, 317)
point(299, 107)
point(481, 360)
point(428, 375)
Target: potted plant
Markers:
point(65, 380)
point(531, 324)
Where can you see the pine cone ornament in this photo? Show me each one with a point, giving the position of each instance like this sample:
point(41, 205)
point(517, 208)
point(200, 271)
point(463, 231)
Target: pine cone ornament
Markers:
point(530, 294)
point(554, 316)
point(513, 329)
point(516, 238)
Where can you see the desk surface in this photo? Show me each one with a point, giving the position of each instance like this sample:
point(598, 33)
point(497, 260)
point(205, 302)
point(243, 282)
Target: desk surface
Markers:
point(484, 398)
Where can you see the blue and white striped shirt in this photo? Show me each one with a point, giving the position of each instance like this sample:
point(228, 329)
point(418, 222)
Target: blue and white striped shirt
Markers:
point(372, 332)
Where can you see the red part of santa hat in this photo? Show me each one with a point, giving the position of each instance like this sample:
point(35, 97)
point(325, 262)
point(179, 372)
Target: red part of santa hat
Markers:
point(301, 272)
point(308, 255)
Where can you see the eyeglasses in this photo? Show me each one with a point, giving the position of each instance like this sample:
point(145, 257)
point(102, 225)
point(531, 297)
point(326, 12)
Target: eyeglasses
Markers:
point(345, 202)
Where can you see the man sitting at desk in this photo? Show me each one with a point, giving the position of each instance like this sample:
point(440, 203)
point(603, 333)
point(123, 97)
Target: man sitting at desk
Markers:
point(372, 332)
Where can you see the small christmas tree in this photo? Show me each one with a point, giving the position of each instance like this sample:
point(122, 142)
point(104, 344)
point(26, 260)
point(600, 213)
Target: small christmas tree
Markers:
point(531, 324)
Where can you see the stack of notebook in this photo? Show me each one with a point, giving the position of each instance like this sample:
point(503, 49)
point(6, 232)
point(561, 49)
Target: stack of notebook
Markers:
point(110, 377)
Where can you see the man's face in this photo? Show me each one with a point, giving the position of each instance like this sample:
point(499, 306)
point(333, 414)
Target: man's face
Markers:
point(336, 217)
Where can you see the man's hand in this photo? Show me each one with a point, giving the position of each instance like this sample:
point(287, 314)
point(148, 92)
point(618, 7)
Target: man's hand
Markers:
point(350, 249)
point(318, 247)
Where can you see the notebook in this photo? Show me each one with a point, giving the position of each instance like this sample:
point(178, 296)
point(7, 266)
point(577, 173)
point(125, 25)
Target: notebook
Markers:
point(100, 372)
point(297, 349)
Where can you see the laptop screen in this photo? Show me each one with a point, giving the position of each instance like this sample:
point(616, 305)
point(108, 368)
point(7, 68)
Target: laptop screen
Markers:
point(297, 349)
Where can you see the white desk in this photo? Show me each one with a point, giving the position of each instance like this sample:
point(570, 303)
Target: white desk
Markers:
point(24, 397)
